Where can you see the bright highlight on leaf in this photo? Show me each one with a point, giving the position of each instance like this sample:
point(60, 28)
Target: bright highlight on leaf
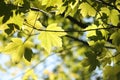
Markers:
point(17, 50)
point(32, 19)
point(112, 15)
point(86, 9)
point(50, 38)
point(15, 19)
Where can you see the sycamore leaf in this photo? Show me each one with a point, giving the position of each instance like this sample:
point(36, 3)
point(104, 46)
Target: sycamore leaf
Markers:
point(86, 9)
point(49, 39)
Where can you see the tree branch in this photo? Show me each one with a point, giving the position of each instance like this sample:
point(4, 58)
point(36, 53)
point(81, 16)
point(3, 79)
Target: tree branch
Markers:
point(108, 4)
point(84, 30)
point(76, 39)
point(73, 20)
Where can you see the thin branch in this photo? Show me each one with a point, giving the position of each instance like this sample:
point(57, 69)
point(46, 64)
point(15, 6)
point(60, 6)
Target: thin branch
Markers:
point(85, 43)
point(109, 47)
point(108, 4)
point(76, 39)
point(85, 30)
point(32, 29)
point(73, 20)
point(97, 12)
point(37, 10)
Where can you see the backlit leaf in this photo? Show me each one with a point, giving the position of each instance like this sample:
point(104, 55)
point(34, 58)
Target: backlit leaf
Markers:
point(91, 33)
point(16, 19)
point(18, 54)
point(49, 39)
point(13, 46)
point(112, 15)
point(86, 9)
point(54, 3)
point(17, 50)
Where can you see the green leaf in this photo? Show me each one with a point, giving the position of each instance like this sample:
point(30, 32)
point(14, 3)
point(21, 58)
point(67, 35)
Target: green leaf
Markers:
point(108, 73)
point(16, 19)
point(49, 39)
point(116, 38)
point(91, 33)
point(13, 46)
point(113, 17)
point(28, 54)
point(32, 19)
point(15, 49)
point(17, 56)
point(14, 22)
point(105, 10)
point(111, 72)
point(54, 3)
point(86, 9)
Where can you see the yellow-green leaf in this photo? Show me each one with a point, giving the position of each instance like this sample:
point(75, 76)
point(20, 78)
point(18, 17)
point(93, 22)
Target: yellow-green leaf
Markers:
point(15, 49)
point(16, 19)
point(105, 10)
point(49, 39)
point(12, 46)
point(116, 38)
point(86, 9)
point(17, 56)
point(55, 3)
point(32, 19)
point(113, 17)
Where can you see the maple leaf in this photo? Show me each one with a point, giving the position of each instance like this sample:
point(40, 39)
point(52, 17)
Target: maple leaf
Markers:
point(17, 50)
point(112, 15)
point(51, 38)
point(86, 9)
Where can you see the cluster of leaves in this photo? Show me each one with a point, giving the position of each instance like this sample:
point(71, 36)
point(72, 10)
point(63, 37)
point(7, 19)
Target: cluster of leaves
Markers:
point(59, 27)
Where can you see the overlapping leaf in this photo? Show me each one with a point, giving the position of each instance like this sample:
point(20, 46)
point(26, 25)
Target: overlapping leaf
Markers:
point(112, 15)
point(17, 49)
point(15, 19)
point(49, 38)
point(86, 9)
